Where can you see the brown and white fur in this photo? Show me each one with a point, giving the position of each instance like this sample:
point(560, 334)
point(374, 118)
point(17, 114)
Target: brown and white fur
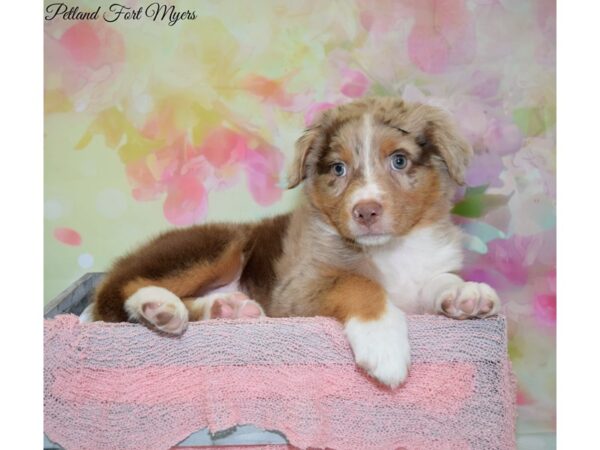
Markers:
point(371, 242)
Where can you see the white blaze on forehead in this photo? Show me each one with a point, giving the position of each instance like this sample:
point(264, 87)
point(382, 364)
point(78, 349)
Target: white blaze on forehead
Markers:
point(367, 147)
point(370, 190)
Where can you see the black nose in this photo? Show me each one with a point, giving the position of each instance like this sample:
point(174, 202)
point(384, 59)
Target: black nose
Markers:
point(367, 213)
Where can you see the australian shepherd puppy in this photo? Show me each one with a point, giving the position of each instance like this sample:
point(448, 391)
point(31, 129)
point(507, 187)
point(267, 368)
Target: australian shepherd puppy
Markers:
point(371, 242)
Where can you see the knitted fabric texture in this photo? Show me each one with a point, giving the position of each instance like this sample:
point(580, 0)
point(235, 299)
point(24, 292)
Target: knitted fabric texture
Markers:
point(122, 386)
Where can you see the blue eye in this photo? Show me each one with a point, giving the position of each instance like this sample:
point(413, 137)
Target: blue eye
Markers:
point(399, 161)
point(338, 169)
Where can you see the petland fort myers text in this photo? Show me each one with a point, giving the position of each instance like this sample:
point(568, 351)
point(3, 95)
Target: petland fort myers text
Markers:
point(156, 12)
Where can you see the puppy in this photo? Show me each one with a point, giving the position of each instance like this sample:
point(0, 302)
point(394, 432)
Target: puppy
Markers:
point(371, 242)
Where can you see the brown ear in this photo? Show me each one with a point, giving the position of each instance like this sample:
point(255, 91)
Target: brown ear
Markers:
point(304, 145)
point(442, 136)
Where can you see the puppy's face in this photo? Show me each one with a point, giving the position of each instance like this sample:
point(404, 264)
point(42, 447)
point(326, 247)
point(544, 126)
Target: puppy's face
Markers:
point(377, 168)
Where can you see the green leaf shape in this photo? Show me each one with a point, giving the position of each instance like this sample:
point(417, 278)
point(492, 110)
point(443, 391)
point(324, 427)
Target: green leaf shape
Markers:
point(535, 120)
point(477, 203)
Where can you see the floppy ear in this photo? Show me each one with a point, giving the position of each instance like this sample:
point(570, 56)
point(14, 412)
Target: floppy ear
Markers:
point(304, 145)
point(441, 135)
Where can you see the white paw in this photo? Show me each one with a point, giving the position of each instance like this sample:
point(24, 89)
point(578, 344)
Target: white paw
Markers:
point(466, 300)
point(227, 305)
point(381, 346)
point(159, 308)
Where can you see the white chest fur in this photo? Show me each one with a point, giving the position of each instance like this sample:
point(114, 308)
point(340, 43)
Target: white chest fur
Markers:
point(406, 264)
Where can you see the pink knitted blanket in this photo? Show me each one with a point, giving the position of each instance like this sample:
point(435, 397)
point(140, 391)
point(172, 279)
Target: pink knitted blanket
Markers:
point(121, 386)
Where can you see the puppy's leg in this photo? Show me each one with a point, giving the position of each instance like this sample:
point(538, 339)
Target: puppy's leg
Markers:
point(148, 285)
point(222, 305)
point(450, 295)
point(376, 329)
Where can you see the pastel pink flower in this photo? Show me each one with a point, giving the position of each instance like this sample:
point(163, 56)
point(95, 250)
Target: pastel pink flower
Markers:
point(144, 185)
point(182, 173)
point(502, 138)
point(443, 35)
point(544, 309)
point(354, 83)
point(223, 146)
point(262, 172)
point(512, 257)
point(83, 44)
point(507, 263)
point(187, 200)
point(150, 175)
point(544, 302)
point(89, 58)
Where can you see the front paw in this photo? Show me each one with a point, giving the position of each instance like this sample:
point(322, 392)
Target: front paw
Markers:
point(381, 347)
point(467, 300)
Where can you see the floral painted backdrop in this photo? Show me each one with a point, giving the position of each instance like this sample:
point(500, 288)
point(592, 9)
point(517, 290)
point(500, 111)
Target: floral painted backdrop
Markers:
point(150, 125)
